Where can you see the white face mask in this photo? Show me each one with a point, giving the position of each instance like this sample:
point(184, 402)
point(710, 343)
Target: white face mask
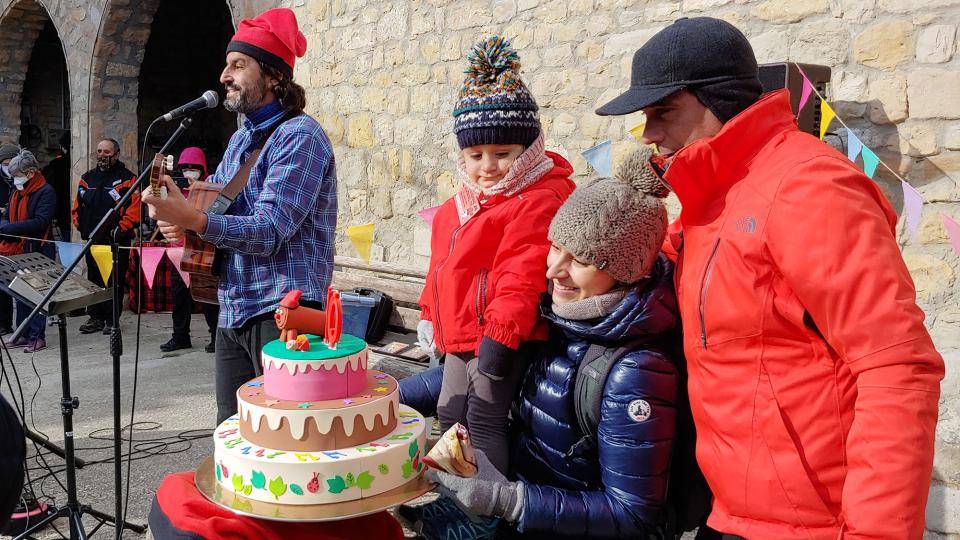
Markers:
point(6, 170)
point(19, 181)
point(192, 176)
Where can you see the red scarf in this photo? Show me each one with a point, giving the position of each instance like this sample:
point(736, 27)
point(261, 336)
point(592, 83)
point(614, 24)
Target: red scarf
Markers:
point(17, 211)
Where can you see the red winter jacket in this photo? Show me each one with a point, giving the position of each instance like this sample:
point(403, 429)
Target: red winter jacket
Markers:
point(812, 380)
point(486, 277)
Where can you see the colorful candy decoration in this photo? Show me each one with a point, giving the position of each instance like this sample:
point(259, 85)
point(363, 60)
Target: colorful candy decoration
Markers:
point(301, 343)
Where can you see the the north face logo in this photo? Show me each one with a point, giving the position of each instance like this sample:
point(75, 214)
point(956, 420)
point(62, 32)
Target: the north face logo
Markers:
point(746, 224)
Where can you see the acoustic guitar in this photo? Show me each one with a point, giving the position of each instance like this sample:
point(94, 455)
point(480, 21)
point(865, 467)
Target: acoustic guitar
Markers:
point(200, 259)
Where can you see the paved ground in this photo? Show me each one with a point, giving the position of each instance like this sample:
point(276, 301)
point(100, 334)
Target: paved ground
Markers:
point(175, 410)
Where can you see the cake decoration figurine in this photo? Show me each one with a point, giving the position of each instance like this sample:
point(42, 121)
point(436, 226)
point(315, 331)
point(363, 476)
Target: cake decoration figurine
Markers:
point(294, 319)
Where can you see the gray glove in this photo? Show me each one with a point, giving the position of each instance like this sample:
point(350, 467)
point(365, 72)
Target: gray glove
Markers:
point(488, 493)
point(425, 339)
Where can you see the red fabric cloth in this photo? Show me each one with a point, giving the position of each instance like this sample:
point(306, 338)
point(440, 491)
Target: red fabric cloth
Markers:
point(486, 277)
point(275, 31)
point(812, 380)
point(189, 511)
point(159, 298)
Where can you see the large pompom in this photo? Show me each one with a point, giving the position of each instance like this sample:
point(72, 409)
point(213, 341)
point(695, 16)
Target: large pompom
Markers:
point(637, 171)
point(491, 58)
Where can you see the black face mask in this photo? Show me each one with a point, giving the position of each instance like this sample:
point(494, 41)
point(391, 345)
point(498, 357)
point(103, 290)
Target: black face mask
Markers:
point(105, 162)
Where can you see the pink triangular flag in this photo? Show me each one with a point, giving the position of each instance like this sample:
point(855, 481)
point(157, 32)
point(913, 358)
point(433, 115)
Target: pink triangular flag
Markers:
point(912, 206)
point(953, 231)
point(175, 255)
point(149, 260)
point(428, 214)
point(805, 93)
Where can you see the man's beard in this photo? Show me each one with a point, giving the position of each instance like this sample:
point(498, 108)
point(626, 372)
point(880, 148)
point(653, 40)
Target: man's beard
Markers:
point(246, 100)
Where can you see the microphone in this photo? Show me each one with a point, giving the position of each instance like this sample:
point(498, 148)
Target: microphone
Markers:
point(208, 100)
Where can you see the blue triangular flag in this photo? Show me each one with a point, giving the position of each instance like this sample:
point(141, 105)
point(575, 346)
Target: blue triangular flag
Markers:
point(870, 161)
point(68, 252)
point(853, 145)
point(600, 157)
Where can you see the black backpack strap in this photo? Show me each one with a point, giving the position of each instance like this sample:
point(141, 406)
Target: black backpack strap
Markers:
point(588, 392)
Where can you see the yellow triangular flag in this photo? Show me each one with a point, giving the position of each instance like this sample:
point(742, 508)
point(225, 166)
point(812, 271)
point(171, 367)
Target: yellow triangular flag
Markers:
point(104, 259)
point(637, 131)
point(362, 238)
point(826, 116)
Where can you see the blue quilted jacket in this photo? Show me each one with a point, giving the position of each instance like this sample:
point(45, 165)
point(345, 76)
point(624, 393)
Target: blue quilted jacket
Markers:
point(617, 491)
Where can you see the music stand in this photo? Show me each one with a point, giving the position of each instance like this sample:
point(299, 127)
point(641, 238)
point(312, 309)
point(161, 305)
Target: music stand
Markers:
point(116, 341)
point(27, 278)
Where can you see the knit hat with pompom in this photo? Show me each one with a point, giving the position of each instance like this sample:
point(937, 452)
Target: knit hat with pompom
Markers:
point(494, 106)
point(616, 224)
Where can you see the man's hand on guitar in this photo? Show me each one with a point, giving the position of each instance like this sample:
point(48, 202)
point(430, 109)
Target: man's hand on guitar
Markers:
point(174, 212)
point(171, 232)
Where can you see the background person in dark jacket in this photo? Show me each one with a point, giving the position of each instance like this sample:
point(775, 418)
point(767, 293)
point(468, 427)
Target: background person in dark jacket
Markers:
point(30, 214)
point(57, 173)
point(7, 152)
point(12, 452)
point(609, 287)
point(99, 190)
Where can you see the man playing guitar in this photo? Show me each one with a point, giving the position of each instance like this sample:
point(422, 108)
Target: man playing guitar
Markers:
point(278, 234)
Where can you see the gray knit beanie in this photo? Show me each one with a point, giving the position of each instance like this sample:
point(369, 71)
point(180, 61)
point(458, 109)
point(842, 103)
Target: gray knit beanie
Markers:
point(23, 162)
point(616, 224)
point(7, 151)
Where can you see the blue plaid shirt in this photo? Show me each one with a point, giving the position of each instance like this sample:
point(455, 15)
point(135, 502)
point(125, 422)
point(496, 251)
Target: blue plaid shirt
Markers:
point(278, 234)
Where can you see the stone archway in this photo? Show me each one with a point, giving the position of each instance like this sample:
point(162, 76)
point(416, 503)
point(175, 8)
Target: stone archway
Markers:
point(21, 25)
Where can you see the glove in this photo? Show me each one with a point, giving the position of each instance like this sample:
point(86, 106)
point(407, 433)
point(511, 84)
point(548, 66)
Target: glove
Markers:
point(425, 339)
point(488, 493)
point(494, 359)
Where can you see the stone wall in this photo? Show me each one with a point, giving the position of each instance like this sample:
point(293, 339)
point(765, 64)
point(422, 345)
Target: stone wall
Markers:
point(381, 77)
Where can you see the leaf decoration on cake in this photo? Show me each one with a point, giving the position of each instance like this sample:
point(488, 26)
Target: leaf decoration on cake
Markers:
point(384, 469)
point(364, 480)
point(237, 482)
point(216, 469)
point(407, 468)
point(350, 480)
point(224, 469)
point(247, 490)
point(412, 451)
point(278, 487)
point(297, 490)
point(336, 484)
point(258, 479)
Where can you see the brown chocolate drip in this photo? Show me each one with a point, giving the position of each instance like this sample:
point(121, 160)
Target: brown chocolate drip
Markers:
point(313, 440)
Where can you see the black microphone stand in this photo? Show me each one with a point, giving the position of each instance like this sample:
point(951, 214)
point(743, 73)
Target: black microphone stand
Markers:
point(73, 509)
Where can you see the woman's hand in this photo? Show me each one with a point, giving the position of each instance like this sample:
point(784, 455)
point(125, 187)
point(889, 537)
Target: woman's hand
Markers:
point(488, 493)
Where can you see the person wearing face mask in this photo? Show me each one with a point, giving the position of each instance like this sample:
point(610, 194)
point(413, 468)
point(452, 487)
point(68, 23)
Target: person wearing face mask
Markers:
point(29, 214)
point(7, 152)
point(99, 190)
point(193, 165)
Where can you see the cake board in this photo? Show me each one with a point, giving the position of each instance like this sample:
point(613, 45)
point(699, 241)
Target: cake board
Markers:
point(211, 489)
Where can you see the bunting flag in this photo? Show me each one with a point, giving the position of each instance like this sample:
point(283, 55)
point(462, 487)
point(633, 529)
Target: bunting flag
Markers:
point(953, 231)
point(853, 145)
point(362, 238)
point(805, 93)
point(637, 131)
point(912, 207)
point(826, 116)
point(870, 161)
point(600, 157)
point(150, 258)
point(175, 254)
point(428, 214)
point(68, 252)
point(101, 254)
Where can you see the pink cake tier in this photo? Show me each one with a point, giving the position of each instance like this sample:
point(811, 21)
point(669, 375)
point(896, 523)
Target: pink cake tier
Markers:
point(319, 374)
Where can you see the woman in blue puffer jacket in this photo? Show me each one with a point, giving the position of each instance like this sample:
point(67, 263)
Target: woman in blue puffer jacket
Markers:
point(608, 287)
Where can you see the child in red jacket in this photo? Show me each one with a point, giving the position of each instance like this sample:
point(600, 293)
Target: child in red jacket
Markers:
point(489, 248)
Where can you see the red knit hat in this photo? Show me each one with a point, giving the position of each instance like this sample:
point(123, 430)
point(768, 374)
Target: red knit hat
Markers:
point(273, 38)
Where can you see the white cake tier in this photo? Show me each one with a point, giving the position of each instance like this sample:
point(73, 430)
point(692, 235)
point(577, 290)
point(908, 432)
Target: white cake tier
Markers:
point(320, 477)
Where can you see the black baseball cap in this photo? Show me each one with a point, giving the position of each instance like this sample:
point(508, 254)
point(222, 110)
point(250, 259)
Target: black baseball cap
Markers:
point(694, 53)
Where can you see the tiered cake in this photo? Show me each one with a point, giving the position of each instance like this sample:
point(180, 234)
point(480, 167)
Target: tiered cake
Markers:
point(318, 427)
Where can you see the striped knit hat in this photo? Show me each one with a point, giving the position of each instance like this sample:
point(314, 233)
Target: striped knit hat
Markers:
point(494, 106)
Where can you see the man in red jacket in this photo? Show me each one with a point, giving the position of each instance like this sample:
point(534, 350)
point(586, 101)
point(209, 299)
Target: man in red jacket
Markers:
point(812, 380)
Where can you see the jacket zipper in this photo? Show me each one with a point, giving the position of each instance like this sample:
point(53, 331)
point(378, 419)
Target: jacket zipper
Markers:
point(438, 332)
point(481, 295)
point(704, 287)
